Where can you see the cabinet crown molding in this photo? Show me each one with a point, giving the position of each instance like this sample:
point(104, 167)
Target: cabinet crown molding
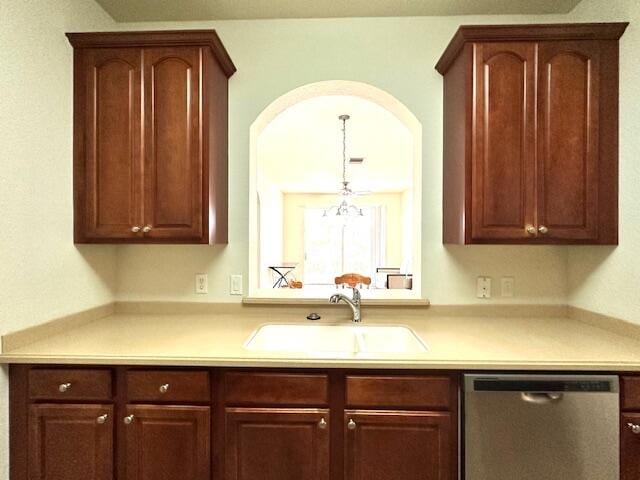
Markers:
point(162, 38)
point(519, 33)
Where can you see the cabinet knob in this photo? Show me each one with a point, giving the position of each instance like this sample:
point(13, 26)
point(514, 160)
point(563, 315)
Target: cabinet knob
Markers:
point(64, 387)
point(351, 425)
point(164, 388)
point(128, 420)
point(102, 419)
point(635, 429)
point(135, 229)
point(322, 424)
point(531, 230)
point(543, 230)
point(146, 228)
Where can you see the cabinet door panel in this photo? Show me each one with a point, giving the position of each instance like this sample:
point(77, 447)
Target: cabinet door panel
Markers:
point(399, 446)
point(504, 141)
point(568, 139)
point(173, 148)
point(68, 442)
point(277, 444)
point(112, 173)
point(629, 448)
point(167, 443)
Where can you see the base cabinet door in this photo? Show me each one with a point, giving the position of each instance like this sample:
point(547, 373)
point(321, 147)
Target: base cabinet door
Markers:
point(167, 442)
point(277, 444)
point(630, 447)
point(70, 442)
point(381, 445)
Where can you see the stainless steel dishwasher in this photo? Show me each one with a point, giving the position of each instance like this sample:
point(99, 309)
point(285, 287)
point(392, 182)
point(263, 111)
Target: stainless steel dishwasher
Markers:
point(541, 427)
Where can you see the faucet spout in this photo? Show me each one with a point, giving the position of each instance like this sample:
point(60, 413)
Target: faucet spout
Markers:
point(353, 303)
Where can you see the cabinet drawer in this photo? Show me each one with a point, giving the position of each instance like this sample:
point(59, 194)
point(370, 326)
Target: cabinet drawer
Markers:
point(276, 389)
point(630, 391)
point(167, 386)
point(70, 384)
point(426, 392)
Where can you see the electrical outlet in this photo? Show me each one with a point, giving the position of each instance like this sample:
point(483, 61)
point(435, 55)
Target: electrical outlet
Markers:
point(202, 283)
point(507, 286)
point(483, 287)
point(235, 284)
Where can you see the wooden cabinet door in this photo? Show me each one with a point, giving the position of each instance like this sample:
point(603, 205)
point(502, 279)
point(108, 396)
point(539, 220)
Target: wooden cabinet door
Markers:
point(173, 168)
point(503, 166)
point(167, 443)
point(111, 163)
point(568, 103)
point(277, 444)
point(399, 445)
point(629, 448)
point(70, 442)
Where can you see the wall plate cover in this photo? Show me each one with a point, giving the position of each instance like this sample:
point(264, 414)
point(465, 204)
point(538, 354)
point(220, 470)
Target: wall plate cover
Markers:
point(483, 287)
point(235, 284)
point(202, 283)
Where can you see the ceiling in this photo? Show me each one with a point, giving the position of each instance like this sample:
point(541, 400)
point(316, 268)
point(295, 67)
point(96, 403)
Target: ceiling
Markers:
point(183, 10)
point(301, 149)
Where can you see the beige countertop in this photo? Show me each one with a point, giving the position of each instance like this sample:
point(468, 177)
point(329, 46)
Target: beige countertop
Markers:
point(217, 339)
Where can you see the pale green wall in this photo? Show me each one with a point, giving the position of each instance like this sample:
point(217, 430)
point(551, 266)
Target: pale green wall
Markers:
point(42, 274)
point(607, 279)
point(394, 54)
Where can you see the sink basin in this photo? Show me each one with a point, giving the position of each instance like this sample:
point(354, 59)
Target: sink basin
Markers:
point(337, 340)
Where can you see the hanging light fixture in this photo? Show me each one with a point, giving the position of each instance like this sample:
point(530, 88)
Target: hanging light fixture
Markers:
point(345, 208)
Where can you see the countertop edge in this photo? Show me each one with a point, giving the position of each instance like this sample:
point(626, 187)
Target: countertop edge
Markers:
point(299, 363)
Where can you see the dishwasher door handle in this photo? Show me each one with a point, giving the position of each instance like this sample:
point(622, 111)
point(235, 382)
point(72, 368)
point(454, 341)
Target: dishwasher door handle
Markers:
point(541, 398)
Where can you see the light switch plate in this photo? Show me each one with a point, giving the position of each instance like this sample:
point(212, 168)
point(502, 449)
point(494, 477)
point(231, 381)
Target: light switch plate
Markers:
point(483, 287)
point(235, 284)
point(202, 283)
point(507, 286)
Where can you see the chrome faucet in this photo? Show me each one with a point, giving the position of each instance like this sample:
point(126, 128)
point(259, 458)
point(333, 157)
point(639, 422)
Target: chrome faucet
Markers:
point(353, 303)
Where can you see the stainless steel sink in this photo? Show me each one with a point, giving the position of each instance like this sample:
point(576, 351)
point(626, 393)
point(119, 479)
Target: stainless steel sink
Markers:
point(336, 340)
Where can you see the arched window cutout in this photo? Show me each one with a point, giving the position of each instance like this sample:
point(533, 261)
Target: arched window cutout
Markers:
point(295, 176)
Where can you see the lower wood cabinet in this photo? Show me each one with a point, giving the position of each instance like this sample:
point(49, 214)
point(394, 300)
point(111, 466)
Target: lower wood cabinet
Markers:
point(398, 445)
point(167, 442)
point(134, 423)
point(277, 444)
point(70, 442)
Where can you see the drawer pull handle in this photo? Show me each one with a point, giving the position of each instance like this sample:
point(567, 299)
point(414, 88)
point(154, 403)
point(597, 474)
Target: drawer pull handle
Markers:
point(322, 424)
point(147, 228)
point(164, 388)
point(351, 425)
point(531, 230)
point(135, 229)
point(64, 387)
point(128, 420)
point(543, 230)
point(635, 429)
point(102, 419)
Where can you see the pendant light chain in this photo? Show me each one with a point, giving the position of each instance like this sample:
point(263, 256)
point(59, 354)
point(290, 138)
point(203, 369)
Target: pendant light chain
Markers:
point(344, 148)
point(344, 119)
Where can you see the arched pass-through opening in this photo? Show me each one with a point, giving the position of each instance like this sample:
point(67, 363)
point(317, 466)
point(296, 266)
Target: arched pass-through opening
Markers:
point(402, 116)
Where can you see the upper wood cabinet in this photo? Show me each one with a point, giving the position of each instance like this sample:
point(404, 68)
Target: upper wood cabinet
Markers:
point(150, 137)
point(530, 134)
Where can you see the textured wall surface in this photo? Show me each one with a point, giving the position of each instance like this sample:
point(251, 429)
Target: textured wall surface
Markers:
point(607, 279)
point(394, 54)
point(42, 274)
